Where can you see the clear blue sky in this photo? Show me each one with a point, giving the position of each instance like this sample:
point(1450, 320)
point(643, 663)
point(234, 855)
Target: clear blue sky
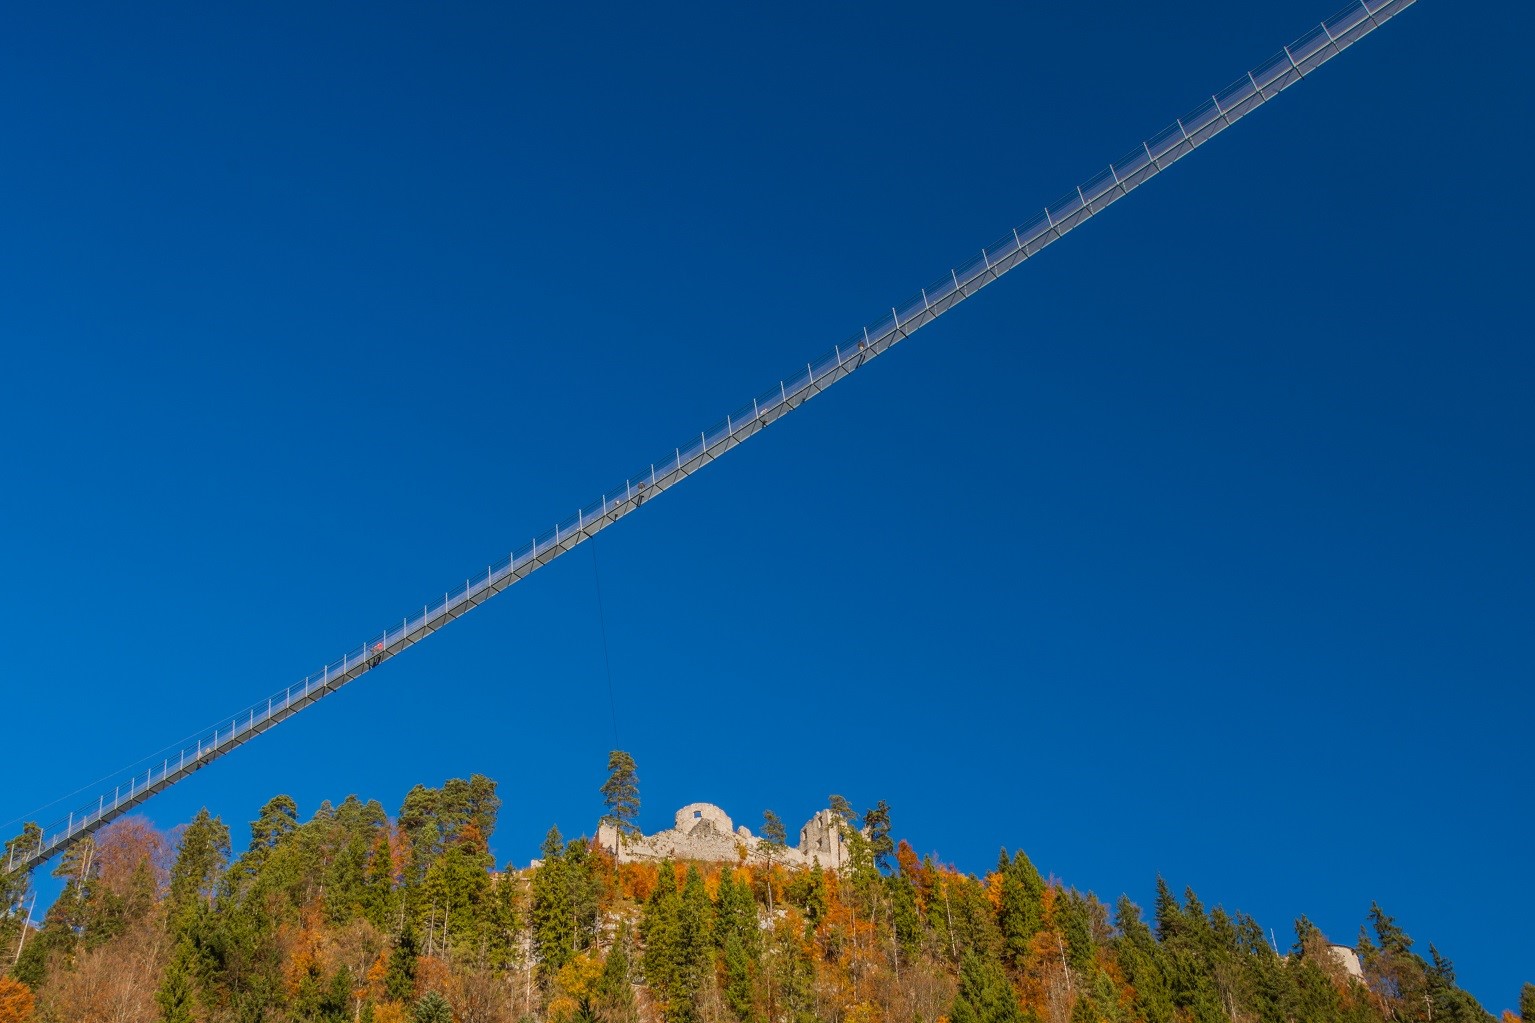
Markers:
point(1201, 546)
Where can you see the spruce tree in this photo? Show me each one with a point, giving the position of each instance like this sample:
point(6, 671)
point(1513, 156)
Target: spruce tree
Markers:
point(984, 995)
point(1144, 962)
point(200, 859)
point(1074, 919)
point(1021, 912)
point(400, 978)
point(737, 936)
point(615, 993)
point(176, 997)
point(695, 937)
point(1169, 915)
point(431, 1008)
point(905, 918)
point(552, 910)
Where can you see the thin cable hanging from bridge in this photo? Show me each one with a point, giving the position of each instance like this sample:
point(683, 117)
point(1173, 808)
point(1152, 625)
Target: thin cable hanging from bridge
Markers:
point(607, 661)
point(1150, 158)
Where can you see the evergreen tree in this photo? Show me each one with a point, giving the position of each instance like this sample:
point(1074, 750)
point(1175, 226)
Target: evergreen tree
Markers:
point(905, 919)
point(678, 945)
point(1074, 914)
point(984, 995)
point(1020, 914)
point(877, 823)
point(277, 821)
point(773, 834)
point(615, 994)
point(1450, 1003)
point(791, 978)
point(859, 859)
point(1527, 1003)
point(1397, 975)
point(400, 977)
point(621, 794)
point(200, 859)
point(430, 819)
point(565, 894)
point(552, 910)
point(14, 884)
point(175, 996)
point(1169, 915)
point(774, 841)
point(738, 939)
point(457, 886)
point(431, 1008)
point(694, 933)
point(1143, 961)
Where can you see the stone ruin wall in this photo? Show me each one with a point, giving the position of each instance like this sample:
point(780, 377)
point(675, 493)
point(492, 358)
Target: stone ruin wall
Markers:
point(702, 831)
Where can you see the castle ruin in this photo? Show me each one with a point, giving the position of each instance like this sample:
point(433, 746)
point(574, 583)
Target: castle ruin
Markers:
point(702, 831)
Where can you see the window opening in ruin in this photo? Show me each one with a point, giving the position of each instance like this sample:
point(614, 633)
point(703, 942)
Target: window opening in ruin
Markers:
point(697, 814)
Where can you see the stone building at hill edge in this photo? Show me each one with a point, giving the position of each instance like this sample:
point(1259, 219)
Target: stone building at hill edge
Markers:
point(702, 831)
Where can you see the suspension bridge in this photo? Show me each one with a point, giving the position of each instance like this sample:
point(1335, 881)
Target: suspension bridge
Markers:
point(114, 796)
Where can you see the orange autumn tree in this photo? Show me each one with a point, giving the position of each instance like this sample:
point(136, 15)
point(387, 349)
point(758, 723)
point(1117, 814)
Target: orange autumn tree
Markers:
point(16, 1001)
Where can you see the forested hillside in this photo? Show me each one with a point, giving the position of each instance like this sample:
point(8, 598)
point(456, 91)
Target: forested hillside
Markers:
point(354, 915)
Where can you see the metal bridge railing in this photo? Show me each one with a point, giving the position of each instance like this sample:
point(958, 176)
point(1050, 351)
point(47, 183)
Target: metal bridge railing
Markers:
point(1150, 158)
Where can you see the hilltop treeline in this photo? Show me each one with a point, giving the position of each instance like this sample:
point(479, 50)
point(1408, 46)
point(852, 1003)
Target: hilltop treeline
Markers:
point(356, 916)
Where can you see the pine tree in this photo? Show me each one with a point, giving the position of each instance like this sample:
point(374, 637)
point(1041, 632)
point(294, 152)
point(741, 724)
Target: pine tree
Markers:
point(877, 823)
point(774, 841)
point(432, 818)
point(278, 819)
point(773, 834)
point(1527, 1003)
point(621, 794)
